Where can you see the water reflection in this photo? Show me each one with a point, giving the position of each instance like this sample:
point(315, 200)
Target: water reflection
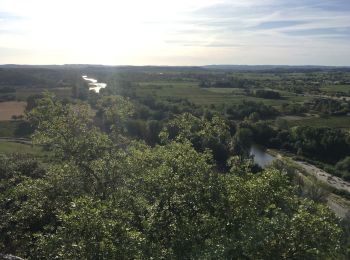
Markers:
point(93, 84)
point(261, 157)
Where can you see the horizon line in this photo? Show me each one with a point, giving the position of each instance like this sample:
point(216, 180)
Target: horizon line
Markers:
point(149, 65)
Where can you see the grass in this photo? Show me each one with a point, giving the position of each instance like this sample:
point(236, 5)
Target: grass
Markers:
point(10, 108)
point(336, 88)
point(333, 122)
point(23, 94)
point(7, 147)
point(208, 96)
point(296, 118)
point(8, 128)
point(226, 90)
point(14, 129)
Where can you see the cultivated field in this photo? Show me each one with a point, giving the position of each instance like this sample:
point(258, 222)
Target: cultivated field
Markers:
point(208, 96)
point(10, 108)
point(332, 122)
point(23, 94)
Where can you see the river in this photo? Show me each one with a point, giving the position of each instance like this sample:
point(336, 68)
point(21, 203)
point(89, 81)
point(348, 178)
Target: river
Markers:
point(261, 157)
point(94, 84)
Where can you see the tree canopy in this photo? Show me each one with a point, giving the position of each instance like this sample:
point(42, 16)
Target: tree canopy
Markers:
point(98, 199)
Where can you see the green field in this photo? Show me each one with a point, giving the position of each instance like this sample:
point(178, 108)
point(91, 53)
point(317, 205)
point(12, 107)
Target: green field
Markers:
point(208, 96)
point(11, 128)
point(336, 88)
point(8, 128)
point(15, 147)
point(23, 94)
point(333, 122)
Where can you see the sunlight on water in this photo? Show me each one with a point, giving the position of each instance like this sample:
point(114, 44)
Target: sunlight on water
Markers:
point(93, 84)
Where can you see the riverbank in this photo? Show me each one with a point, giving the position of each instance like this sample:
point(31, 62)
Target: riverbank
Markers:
point(332, 181)
point(334, 185)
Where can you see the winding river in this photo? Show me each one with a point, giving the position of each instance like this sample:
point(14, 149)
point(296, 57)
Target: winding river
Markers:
point(94, 85)
point(261, 157)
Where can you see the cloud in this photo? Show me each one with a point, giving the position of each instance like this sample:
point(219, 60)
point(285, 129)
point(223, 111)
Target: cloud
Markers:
point(256, 18)
point(278, 24)
point(323, 32)
point(138, 31)
point(6, 16)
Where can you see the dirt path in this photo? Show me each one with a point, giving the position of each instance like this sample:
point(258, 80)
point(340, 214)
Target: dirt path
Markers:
point(338, 205)
point(323, 176)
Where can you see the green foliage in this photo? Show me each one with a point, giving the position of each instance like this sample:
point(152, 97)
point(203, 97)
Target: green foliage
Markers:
point(329, 145)
point(330, 106)
point(174, 205)
point(293, 109)
point(241, 141)
point(344, 165)
point(18, 217)
point(103, 199)
point(67, 130)
point(213, 134)
point(246, 108)
point(92, 229)
point(269, 94)
point(114, 111)
point(13, 128)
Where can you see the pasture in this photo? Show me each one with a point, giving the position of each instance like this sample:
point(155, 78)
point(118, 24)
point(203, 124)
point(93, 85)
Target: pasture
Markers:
point(332, 122)
point(24, 93)
point(336, 88)
point(209, 96)
point(8, 147)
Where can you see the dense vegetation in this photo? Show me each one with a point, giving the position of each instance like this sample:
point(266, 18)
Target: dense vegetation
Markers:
point(158, 165)
point(102, 199)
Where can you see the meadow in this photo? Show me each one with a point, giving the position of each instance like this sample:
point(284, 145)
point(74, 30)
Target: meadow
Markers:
point(8, 147)
point(331, 121)
point(210, 96)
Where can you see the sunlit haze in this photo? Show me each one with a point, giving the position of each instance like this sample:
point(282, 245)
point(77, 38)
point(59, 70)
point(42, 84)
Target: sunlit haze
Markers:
point(181, 32)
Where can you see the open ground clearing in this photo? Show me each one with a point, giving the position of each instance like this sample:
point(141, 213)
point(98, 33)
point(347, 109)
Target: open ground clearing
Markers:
point(10, 108)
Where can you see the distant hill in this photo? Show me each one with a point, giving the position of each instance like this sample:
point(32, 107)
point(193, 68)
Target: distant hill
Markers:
point(148, 68)
point(269, 68)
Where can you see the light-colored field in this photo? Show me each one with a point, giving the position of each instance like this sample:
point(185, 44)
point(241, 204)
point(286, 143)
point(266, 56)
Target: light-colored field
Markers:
point(10, 108)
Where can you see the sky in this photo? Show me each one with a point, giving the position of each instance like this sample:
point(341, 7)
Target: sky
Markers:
point(175, 32)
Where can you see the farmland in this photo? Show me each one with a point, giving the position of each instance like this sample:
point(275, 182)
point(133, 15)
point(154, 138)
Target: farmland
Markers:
point(333, 122)
point(11, 108)
point(9, 147)
point(160, 134)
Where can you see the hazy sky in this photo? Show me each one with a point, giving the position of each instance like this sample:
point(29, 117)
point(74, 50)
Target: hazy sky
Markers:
point(175, 32)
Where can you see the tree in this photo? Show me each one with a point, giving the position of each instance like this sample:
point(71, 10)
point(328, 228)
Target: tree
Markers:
point(213, 134)
point(173, 204)
point(241, 141)
point(114, 111)
point(97, 199)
